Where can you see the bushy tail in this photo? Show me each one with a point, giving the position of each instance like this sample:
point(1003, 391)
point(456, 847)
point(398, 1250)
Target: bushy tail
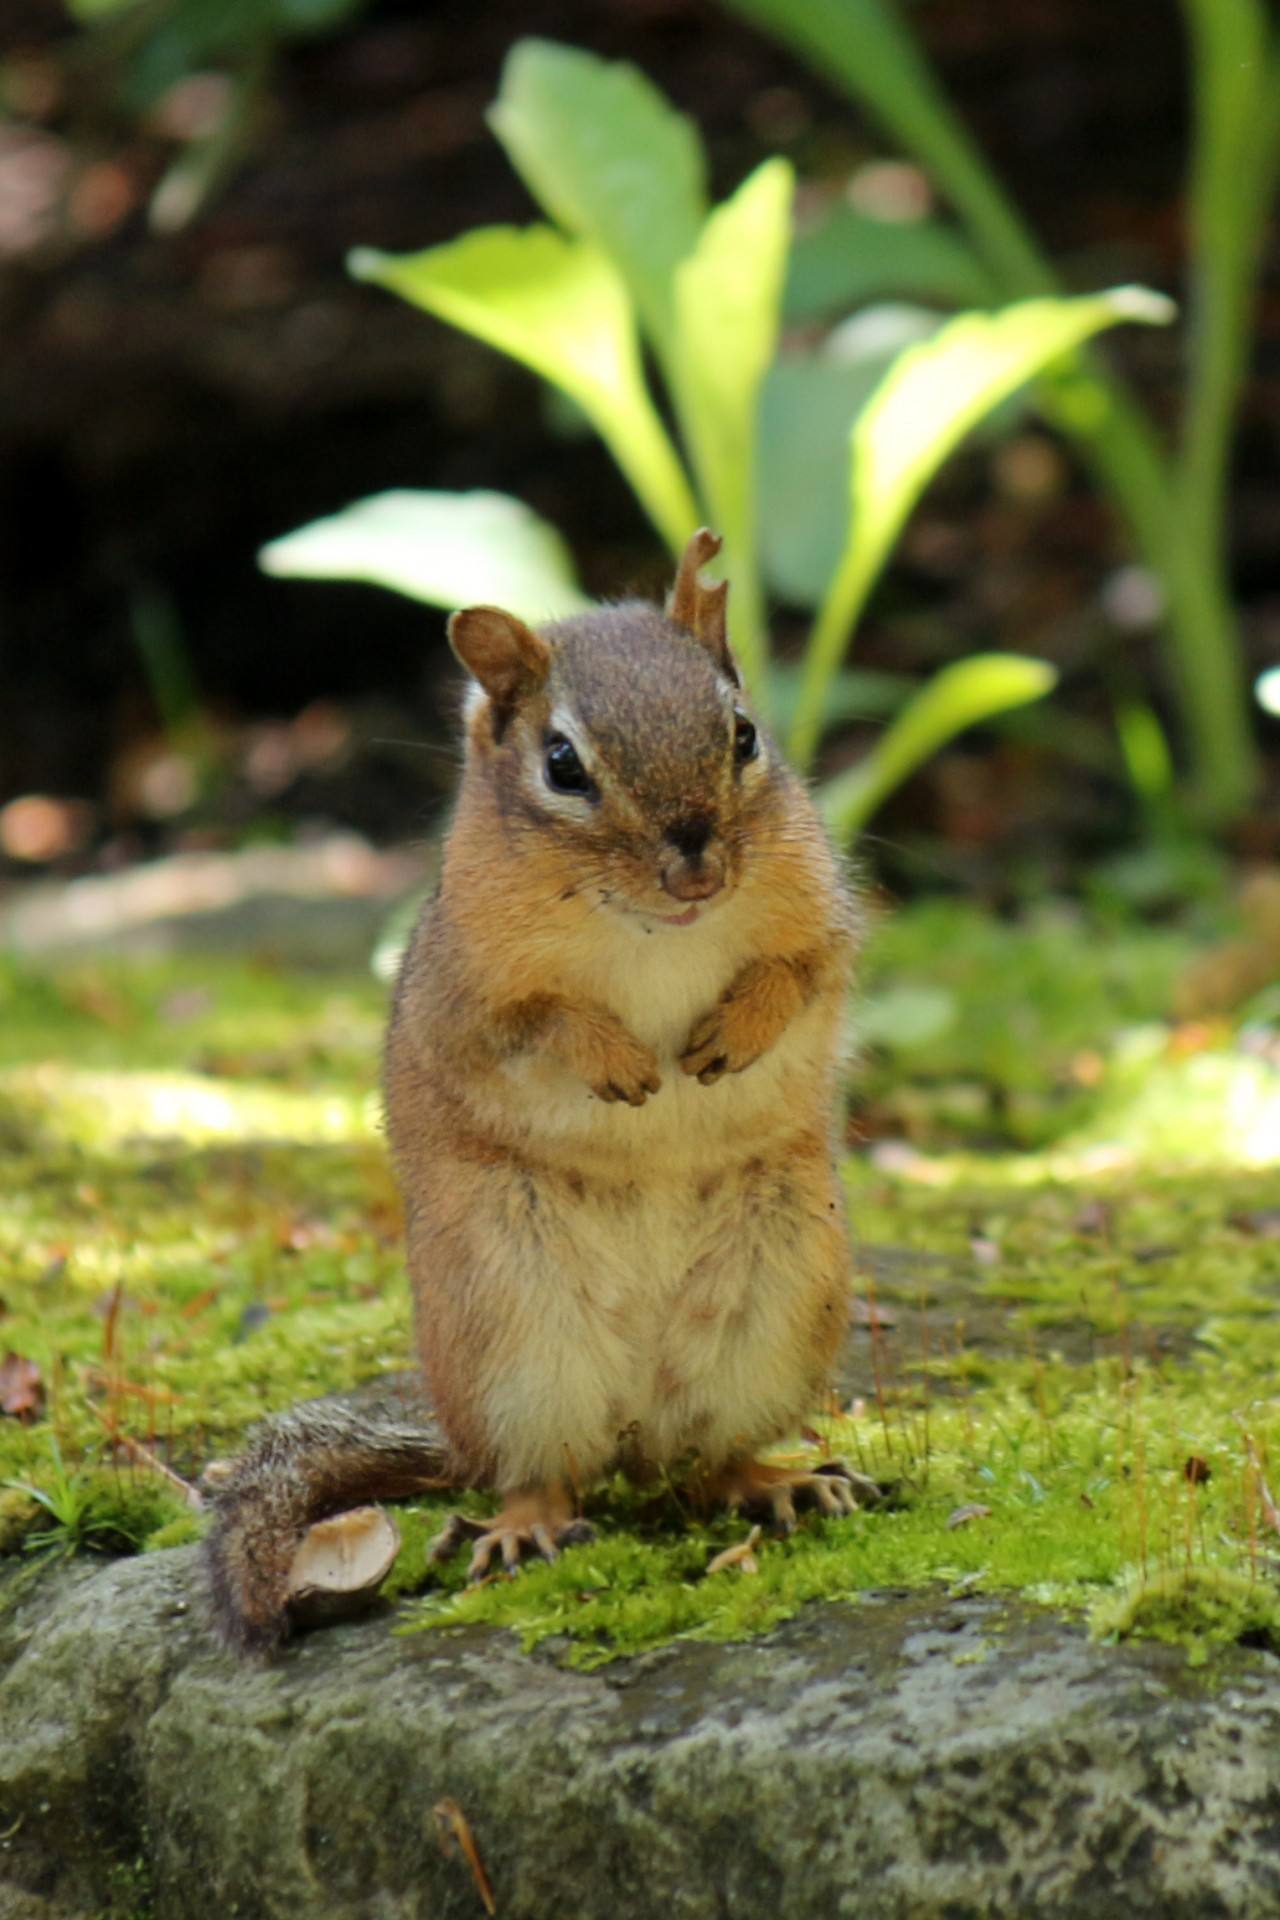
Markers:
point(318, 1459)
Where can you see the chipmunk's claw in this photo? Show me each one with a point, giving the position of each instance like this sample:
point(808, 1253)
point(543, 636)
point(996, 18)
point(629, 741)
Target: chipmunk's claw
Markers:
point(634, 1092)
point(775, 1496)
point(538, 1539)
point(709, 1052)
point(629, 1076)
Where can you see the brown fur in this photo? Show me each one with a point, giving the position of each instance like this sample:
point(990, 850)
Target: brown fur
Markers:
point(615, 1257)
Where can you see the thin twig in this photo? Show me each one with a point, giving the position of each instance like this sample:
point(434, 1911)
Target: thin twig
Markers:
point(455, 1829)
point(143, 1457)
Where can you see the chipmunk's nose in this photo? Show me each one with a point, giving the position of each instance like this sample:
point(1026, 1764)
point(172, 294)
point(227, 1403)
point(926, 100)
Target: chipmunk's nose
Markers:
point(690, 835)
point(696, 869)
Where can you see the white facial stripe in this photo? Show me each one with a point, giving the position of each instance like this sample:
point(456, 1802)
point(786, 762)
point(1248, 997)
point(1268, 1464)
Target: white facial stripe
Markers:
point(571, 806)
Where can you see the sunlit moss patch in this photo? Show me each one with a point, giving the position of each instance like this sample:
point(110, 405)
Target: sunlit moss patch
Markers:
point(1067, 1213)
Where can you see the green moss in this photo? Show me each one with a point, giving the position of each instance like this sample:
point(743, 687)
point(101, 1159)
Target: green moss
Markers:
point(1075, 1495)
point(18, 1514)
point(1192, 1606)
point(108, 1510)
point(183, 1530)
point(197, 1223)
point(975, 1031)
point(198, 1226)
point(129, 1891)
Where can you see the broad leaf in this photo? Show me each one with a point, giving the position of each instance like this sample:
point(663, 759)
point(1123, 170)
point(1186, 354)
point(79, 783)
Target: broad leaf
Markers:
point(610, 159)
point(449, 549)
point(1234, 158)
point(852, 260)
point(959, 696)
point(728, 301)
point(807, 408)
point(559, 306)
point(929, 400)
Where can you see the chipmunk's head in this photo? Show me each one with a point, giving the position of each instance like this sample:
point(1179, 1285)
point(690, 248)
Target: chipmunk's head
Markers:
point(623, 737)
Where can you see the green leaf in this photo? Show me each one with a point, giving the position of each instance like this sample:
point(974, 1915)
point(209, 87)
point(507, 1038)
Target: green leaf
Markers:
point(728, 303)
point(868, 47)
point(807, 408)
point(959, 696)
point(930, 398)
point(1146, 752)
point(852, 260)
point(559, 306)
point(88, 11)
point(449, 549)
point(1235, 155)
point(610, 159)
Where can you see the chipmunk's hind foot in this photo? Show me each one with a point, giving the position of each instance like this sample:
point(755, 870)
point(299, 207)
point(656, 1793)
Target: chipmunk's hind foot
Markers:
point(776, 1495)
point(517, 1534)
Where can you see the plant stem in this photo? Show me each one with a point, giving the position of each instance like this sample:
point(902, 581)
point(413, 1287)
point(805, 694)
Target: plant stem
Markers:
point(1177, 520)
point(1232, 184)
point(639, 443)
point(868, 47)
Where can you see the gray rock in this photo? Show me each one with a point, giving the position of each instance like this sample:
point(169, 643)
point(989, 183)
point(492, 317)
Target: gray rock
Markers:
point(910, 1758)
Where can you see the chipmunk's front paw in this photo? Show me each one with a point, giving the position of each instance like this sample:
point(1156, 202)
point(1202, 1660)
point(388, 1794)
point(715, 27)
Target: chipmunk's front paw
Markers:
point(624, 1070)
point(723, 1041)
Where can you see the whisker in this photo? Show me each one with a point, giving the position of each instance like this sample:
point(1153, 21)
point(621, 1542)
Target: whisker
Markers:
point(453, 754)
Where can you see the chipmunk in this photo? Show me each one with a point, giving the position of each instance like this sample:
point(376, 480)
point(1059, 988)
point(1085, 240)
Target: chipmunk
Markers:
point(610, 1075)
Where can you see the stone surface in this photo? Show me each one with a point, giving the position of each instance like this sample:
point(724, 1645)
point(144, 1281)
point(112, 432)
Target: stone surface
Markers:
point(905, 1758)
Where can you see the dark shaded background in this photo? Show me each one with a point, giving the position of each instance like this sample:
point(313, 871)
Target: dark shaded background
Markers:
point(167, 404)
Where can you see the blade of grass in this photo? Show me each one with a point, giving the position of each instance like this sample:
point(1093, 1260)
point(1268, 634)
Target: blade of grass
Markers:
point(959, 696)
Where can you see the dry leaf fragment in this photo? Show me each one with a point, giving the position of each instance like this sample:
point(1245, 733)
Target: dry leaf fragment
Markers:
point(1093, 1217)
point(21, 1388)
point(963, 1515)
point(1263, 1222)
point(143, 1457)
point(340, 1565)
point(455, 1830)
point(742, 1556)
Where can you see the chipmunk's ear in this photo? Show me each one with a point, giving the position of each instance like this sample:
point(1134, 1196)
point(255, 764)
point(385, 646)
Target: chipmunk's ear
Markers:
point(701, 610)
point(508, 659)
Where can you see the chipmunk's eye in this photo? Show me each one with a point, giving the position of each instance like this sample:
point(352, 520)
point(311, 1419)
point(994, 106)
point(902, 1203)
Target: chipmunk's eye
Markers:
point(565, 772)
point(746, 741)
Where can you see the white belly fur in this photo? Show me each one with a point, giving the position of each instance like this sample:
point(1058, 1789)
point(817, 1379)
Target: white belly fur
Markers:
point(670, 1287)
point(659, 984)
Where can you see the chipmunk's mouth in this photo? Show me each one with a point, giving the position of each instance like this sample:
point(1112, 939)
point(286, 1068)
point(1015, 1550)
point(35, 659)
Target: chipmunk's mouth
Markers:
point(688, 918)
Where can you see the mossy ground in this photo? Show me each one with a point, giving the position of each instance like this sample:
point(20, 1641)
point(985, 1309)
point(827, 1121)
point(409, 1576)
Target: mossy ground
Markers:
point(1072, 1238)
